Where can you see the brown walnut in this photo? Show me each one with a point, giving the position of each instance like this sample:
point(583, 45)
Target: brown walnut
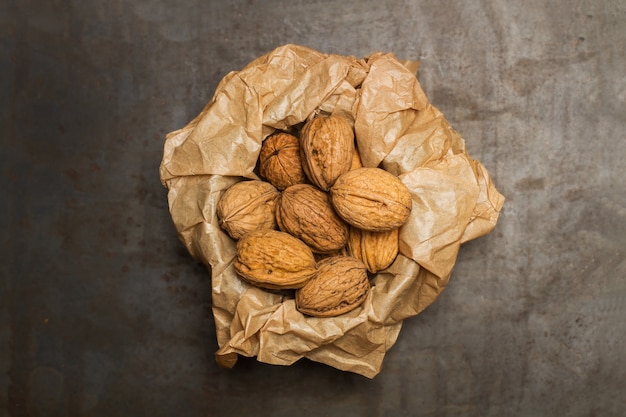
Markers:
point(247, 206)
point(340, 285)
point(306, 212)
point(279, 160)
point(371, 199)
point(377, 250)
point(327, 148)
point(274, 260)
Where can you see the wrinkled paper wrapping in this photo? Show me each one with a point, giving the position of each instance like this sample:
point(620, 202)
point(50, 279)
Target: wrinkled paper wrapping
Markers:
point(454, 199)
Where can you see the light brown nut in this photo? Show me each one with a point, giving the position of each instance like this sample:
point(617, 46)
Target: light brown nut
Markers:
point(274, 260)
point(279, 160)
point(377, 250)
point(341, 252)
point(340, 285)
point(371, 199)
point(247, 206)
point(306, 212)
point(356, 160)
point(327, 148)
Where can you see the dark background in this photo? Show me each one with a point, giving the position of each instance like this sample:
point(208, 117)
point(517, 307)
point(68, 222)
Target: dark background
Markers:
point(102, 311)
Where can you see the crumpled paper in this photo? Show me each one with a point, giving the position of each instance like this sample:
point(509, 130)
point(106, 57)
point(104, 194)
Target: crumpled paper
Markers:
point(454, 199)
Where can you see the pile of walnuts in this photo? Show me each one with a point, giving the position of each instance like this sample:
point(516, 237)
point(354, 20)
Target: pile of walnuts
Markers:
point(319, 222)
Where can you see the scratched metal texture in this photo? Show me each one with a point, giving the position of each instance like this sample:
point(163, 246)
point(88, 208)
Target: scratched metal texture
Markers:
point(103, 313)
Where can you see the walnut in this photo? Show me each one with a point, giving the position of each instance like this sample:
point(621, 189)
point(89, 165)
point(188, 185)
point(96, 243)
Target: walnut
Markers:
point(247, 206)
point(371, 199)
point(377, 250)
point(356, 160)
point(327, 148)
point(279, 160)
point(340, 285)
point(274, 260)
point(306, 212)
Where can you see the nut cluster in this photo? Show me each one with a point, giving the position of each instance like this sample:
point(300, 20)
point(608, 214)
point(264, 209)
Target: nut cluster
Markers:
point(318, 221)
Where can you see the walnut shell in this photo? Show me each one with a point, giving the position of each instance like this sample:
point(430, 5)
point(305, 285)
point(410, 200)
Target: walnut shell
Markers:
point(340, 285)
point(274, 260)
point(279, 160)
point(247, 206)
point(356, 160)
point(306, 213)
point(327, 148)
point(377, 250)
point(371, 199)
point(341, 252)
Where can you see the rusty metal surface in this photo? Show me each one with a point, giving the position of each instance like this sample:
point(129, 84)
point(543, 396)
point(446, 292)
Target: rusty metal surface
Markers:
point(102, 311)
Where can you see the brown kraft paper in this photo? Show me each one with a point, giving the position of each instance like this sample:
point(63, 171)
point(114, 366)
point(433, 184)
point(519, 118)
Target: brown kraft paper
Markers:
point(397, 129)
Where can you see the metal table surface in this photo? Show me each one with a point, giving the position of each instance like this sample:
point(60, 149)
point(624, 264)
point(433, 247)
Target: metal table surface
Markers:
point(103, 312)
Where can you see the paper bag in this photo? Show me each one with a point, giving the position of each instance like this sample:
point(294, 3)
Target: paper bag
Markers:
point(397, 129)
